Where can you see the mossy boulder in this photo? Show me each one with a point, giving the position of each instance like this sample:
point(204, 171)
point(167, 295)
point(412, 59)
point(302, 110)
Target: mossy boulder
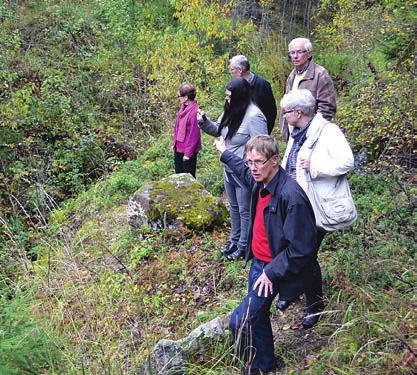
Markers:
point(176, 201)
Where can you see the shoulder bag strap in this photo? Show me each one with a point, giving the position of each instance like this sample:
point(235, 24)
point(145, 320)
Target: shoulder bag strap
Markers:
point(311, 143)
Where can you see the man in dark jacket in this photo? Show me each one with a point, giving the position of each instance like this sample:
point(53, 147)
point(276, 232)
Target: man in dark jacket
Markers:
point(261, 89)
point(311, 76)
point(281, 241)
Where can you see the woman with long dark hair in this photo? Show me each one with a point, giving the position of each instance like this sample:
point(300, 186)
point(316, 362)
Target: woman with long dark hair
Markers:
point(241, 120)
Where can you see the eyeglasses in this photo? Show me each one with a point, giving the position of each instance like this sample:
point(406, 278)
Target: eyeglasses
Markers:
point(258, 163)
point(291, 110)
point(298, 52)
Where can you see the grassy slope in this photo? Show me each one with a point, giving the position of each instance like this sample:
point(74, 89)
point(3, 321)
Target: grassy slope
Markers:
point(95, 282)
point(115, 294)
point(112, 295)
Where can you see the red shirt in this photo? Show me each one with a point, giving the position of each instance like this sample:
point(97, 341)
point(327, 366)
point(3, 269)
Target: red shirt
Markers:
point(260, 245)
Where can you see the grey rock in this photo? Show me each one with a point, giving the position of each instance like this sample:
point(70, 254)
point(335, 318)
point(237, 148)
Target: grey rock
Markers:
point(174, 202)
point(170, 357)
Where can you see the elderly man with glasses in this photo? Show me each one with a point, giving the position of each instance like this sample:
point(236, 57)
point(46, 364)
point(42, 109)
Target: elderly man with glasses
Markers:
point(311, 76)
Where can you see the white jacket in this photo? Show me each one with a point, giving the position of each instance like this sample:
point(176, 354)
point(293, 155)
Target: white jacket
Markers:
point(331, 156)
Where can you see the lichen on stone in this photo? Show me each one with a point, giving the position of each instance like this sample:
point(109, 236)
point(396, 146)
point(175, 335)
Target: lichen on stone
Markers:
point(182, 199)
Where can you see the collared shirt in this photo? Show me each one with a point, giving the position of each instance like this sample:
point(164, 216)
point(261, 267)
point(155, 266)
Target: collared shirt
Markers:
point(304, 68)
point(251, 78)
point(299, 136)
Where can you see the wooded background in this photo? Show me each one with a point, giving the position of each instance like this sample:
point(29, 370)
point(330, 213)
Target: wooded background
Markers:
point(87, 105)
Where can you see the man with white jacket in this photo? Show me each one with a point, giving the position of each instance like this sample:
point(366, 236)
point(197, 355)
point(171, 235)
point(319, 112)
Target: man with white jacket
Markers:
point(330, 158)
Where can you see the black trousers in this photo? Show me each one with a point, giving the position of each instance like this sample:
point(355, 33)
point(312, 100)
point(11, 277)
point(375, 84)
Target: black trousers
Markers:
point(185, 166)
point(313, 282)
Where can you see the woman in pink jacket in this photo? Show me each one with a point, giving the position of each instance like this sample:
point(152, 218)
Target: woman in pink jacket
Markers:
point(187, 137)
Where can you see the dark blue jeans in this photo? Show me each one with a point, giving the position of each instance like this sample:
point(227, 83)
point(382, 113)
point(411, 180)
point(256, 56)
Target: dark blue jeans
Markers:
point(250, 324)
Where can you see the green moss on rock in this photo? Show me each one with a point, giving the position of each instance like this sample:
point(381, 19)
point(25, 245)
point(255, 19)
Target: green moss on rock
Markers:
point(180, 198)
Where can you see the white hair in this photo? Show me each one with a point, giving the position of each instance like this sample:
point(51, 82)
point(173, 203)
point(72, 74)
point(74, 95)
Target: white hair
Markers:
point(306, 42)
point(241, 62)
point(300, 99)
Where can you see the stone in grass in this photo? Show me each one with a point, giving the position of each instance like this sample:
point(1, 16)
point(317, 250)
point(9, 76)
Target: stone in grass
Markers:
point(174, 202)
point(170, 357)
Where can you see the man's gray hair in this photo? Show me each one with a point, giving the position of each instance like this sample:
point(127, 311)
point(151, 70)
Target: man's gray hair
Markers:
point(241, 62)
point(300, 99)
point(306, 42)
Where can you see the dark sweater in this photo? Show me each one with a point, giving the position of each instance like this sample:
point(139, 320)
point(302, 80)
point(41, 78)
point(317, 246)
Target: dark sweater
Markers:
point(263, 97)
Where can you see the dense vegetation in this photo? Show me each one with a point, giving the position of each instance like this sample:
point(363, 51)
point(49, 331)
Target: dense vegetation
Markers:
point(87, 94)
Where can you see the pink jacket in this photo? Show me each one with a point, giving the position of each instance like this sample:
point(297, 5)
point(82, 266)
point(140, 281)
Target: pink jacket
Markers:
point(187, 136)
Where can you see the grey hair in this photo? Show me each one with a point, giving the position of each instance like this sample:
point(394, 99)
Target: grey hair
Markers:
point(264, 144)
point(307, 44)
point(241, 62)
point(301, 99)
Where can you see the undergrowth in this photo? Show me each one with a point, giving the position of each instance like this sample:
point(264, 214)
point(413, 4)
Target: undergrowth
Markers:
point(27, 344)
point(112, 294)
point(101, 295)
point(370, 277)
point(116, 293)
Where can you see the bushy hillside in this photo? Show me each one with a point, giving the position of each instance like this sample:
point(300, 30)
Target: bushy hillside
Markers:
point(112, 293)
point(88, 85)
point(87, 102)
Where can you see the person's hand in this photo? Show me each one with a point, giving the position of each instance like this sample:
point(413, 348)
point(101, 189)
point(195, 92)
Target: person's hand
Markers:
point(220, 145)
point(305, 163)
point(201, 116)
point(185, 158)
point(264, 284)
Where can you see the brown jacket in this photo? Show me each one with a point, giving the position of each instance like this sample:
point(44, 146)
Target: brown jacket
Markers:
point(318, 81)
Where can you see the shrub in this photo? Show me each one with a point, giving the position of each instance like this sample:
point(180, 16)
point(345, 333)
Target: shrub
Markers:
point(378, 117)
point(26, 347)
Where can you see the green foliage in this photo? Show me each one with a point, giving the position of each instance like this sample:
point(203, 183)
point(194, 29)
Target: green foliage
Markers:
point(209, 169)
point(367, 46)
point(143, 251)
point(370, 280)
point(358, 33)
point(87, 86)
point(378, 117)
point(26, 347)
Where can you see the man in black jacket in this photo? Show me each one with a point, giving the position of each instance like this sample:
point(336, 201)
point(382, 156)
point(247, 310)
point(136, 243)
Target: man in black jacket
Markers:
point(281, 241)
point(261, 89)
